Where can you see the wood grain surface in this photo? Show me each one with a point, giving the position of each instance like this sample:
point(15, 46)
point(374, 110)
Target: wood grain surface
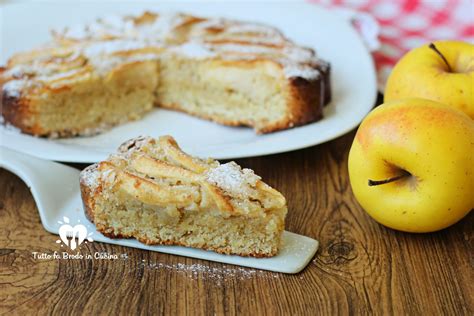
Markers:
point(361, 267)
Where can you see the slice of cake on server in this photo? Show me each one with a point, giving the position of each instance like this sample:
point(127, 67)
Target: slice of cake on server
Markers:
point(154, 192)
point(114, 70)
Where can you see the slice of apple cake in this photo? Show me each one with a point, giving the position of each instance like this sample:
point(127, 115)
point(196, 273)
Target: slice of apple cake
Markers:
point(152, 191)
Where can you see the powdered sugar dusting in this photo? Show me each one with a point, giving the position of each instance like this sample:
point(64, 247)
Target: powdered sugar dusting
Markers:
point(60, 75)
point(100, 55)
point(43, 65)
point(111, 25)
point(234, 180)
point(125, 27)
point(108, 176)
point(300, 54)
point(193, 50)
point(110, 47)
point(303, 71)
point(218, 274)
point(19, 71)
point(90, 176)
point(104, 64)
point(13, 88)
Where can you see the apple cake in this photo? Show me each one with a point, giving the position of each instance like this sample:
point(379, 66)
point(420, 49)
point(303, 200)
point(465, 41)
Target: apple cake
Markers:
point(90, 78)
point(152, 191)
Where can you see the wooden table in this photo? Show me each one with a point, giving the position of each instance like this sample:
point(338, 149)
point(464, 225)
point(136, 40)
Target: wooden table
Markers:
point(361, 266)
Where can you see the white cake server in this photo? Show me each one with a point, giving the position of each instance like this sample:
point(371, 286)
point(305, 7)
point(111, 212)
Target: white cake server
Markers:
point(55, 188)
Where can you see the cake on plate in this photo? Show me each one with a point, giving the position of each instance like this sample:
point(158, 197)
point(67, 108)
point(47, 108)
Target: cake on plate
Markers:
point(92, 77)
point(152, 191)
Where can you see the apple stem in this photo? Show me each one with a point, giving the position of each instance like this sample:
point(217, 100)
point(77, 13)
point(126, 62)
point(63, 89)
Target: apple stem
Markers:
point(433, 47)
point(379, 182)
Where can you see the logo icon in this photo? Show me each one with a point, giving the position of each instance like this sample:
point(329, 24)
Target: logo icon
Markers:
point(73, 236)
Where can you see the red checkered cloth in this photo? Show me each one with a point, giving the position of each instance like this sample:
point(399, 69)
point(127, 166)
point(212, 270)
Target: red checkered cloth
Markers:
point(405, 24)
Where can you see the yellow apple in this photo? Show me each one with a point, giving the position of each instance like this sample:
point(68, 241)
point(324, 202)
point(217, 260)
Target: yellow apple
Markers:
point(411, 165)
point(442, 71)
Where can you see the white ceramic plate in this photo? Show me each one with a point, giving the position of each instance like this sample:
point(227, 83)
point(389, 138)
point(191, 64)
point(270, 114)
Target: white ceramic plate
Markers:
point(353, 79)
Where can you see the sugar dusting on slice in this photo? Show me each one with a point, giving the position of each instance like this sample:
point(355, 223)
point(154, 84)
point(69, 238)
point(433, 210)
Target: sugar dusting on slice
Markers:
point(232, 179)
point(13, 88)
point(90, 176)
